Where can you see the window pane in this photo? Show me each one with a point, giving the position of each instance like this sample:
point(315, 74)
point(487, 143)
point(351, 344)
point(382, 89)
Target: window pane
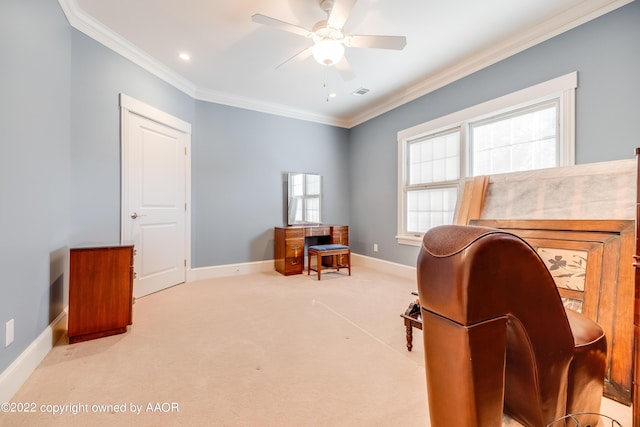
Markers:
point(295, 207)
point(434, 159)
point(313, 184)
point(523, 141)
point(429, 208)
point(297, 185)
point(312, 210)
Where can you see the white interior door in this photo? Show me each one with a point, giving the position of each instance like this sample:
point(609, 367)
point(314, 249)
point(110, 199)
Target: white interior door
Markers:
point(155, 210)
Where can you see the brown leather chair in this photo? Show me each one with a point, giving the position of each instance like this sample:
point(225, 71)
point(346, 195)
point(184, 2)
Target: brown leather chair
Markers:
point(497, 337)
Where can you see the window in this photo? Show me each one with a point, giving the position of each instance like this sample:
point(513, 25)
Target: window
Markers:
point(433, 172)
point(529, 129)
point(521, 140)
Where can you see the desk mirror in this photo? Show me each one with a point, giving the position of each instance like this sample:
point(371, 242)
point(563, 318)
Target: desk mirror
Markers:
point(304, 198)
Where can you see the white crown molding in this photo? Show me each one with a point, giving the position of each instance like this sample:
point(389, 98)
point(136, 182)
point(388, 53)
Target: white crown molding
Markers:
point(94, 29)
point(270, 108)
point(571, 18)
point(562, 22)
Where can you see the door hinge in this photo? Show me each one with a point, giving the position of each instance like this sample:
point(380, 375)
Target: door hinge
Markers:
point(185, 262)
point(185, 207)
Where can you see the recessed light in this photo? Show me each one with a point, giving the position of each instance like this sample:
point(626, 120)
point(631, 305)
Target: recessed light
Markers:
point(185, 56)
point(330, 96)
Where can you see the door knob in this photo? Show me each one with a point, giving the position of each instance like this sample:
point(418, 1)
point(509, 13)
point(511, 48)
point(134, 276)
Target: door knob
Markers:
point(135, 215)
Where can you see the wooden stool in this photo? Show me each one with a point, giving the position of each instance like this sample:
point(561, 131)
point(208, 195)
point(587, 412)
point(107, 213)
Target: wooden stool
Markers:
point(337, 252)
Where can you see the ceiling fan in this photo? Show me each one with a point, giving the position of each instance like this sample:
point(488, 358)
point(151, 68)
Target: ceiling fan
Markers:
point(328, 39)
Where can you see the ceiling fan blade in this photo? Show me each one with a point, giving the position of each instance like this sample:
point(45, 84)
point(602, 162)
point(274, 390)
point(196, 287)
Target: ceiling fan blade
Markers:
point(276, 23)
point(377, 42)
point(344, 69)
point(300, 56)
point(340, 13)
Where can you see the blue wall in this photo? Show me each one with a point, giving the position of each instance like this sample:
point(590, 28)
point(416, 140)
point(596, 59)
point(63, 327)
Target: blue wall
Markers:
point(239, 158)
point(60, 165)
point(99, 75)
point(35, 88)
point(606, 54)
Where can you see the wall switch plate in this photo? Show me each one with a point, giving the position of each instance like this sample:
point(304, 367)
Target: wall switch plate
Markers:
point(8, 333)
point(375, 247)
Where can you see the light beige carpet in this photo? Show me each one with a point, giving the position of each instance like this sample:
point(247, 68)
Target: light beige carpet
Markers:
point(250, 350)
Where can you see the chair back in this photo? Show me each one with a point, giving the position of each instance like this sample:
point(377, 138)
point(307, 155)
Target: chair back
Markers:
point(473, 275)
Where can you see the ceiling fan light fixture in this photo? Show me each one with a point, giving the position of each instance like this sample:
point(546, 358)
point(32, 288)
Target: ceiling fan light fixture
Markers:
point(328, 52)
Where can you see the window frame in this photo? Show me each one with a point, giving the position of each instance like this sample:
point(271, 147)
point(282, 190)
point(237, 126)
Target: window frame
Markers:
point(302, 199)
point(561, 88)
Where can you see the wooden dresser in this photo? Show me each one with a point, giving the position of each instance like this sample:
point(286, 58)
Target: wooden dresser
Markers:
point(100, 291)
point(289, 244)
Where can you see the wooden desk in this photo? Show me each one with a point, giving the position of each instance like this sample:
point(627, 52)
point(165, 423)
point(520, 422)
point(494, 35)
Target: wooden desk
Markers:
point(289, 244)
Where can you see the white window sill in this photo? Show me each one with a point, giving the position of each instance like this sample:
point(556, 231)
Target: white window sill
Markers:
point(410, 240)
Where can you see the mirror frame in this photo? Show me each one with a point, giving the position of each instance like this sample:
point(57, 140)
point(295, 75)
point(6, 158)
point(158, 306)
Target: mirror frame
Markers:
point(299, 198)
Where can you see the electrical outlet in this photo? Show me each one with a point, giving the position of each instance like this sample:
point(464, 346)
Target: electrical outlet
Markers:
point(8, 333)
point(375, 247)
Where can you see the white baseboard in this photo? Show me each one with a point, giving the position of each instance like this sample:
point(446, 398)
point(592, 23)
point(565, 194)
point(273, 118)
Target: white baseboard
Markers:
point(203, 273)
point(19, 371)
point(404, 271)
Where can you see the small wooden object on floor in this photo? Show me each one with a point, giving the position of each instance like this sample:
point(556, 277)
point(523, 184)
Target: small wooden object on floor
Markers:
point(340, 255)
point(412, 319)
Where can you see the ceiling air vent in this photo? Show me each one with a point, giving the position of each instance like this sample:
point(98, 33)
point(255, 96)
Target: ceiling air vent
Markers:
point(361, 91)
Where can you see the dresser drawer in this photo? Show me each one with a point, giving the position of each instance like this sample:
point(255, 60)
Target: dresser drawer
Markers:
point(318, 231)
point(294, 265)
point(340, 234)
point(294, 248)
point(292, 233)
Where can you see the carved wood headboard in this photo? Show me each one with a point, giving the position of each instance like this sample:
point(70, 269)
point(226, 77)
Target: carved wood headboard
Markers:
point(595, 277)
point(589, 210)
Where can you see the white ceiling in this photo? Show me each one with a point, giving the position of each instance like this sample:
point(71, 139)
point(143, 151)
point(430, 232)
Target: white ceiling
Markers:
point(233, 60)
